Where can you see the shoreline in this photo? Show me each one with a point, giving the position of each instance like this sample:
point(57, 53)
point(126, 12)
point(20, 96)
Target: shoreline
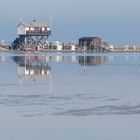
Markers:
point(121, 50)
point(118, 51)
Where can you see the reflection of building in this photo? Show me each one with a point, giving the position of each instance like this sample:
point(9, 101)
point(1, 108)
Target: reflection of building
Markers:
point(61, 59)
point(2, 58)
point(92, 60)
point(32, 67)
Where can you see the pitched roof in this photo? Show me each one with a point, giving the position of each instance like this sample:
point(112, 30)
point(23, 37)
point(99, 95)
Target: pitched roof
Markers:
point(34, 24)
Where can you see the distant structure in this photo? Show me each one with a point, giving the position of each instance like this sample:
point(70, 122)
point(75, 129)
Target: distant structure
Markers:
point(107, 46)
point(57, 45)
point(126, 47)
point(4, 45)
point(31, 35)
point(91, 43)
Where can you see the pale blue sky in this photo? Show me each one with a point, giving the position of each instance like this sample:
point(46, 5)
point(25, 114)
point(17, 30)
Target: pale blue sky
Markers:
point(116, 21)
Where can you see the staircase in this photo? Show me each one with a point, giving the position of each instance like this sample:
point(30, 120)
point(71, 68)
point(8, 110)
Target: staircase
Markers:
point(16, 44)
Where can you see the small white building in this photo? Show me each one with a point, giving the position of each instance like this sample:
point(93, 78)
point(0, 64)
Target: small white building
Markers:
point(73, 47)
point(111, 47)
point(58, 45)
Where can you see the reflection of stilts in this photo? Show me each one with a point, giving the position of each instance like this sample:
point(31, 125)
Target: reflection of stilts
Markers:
point(84, 62)
point(84, 59)
point(50, 82)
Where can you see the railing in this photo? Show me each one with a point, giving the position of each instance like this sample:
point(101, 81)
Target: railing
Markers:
point(41, 33)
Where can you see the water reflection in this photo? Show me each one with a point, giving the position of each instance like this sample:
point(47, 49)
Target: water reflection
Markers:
point(62, 59)
point(37, 67)
point(32, 67)
point(92, 60)
point(67, 91)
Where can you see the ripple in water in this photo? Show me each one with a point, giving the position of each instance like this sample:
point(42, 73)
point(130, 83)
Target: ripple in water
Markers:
point(68, 105)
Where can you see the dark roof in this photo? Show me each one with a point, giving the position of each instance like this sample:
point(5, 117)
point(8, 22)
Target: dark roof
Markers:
point(88, 38)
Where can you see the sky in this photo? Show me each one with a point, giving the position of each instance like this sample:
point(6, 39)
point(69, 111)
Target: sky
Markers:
point(115, 21)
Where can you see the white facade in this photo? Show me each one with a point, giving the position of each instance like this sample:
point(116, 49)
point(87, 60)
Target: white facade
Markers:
point(111, 47)
point(73, 47)
point(58, 45)
point(21, 29)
